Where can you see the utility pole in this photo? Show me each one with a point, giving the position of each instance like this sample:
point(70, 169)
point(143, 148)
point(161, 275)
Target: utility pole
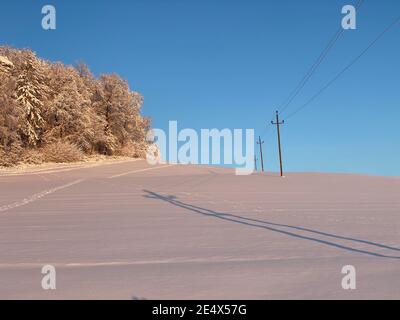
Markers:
point(261, 153)
point(279, 139)
point(255, 163)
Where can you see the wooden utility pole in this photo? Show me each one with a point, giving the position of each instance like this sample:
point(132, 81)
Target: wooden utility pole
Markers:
point(279, 139)
point(255, 163)
point(261, 152)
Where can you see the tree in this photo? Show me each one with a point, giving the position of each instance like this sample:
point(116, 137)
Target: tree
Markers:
point(10, 143)
point(119, 107)
point(68, 113)
point(30, 94)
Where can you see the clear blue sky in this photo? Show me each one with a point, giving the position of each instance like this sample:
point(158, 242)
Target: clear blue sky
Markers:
point(228, 64)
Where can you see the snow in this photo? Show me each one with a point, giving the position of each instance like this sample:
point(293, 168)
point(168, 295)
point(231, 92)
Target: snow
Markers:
point(185, 232)
point(4, 60)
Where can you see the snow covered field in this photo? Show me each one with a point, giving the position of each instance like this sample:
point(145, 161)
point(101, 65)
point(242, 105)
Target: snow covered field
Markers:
point(129, 231)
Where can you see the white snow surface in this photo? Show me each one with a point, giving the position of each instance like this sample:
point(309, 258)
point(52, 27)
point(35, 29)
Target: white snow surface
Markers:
point(122, 231)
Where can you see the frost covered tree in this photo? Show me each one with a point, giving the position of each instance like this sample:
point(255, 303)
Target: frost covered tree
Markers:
point(30, 93)
point(68, 112)
point(10, 142)
point(120, 108)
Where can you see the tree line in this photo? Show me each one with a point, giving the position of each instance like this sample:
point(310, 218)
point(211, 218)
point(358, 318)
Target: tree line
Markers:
point(51, 112)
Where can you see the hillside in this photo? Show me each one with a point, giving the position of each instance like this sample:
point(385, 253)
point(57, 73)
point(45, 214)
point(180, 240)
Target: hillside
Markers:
point(128, 230)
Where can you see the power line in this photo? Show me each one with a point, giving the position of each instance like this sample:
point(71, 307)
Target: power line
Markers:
point(311, 71)
point(315, 66)
point(396, 21)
